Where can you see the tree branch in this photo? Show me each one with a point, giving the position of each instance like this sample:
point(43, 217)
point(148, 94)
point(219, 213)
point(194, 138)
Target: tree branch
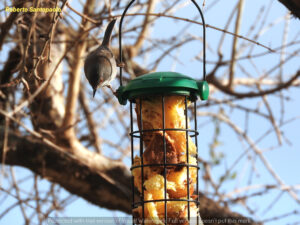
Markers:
point(235, 41)
point(74, 80)
point(140, 40)
point(90, 121)
point(293, 6)
point(97, 179)
point(6, 26)
point(214, 81)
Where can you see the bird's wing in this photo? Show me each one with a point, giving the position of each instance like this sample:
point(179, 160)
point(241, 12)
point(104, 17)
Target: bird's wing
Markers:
point(91, 70)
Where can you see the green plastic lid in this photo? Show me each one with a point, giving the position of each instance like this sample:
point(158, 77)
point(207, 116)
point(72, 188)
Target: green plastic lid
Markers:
point(163, 83)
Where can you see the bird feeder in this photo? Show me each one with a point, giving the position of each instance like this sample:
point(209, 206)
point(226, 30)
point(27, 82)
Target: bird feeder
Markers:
point(165, 168)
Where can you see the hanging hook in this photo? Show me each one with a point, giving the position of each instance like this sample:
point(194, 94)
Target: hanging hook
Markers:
point(120, 39)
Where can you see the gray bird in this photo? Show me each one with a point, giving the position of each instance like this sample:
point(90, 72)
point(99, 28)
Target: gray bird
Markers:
point(100, 66)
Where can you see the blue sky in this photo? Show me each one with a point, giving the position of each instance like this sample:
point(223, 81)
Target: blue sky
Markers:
point(284, 160)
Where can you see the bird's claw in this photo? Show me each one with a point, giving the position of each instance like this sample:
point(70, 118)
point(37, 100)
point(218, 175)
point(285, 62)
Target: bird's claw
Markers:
point(114, 92)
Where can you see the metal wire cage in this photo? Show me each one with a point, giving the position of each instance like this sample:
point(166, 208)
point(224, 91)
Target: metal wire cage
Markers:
point(164, 164)
point(167, 155)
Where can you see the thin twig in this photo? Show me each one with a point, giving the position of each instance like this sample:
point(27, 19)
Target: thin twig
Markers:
point(5, 146)
point(18, 196)
point(271, 117)
point(145, 28)
point(199, 23)
point(235, 41)
point(74, 80)
point(256, 150)
point(82, 15)
point(90, 121)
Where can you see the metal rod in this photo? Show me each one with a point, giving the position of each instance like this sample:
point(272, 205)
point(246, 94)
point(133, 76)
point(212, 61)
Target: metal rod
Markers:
point(169, 200)
point(165, 156)
point(132, 153)
point(162, 164)
point(120, 38)
point(204, 39)
point(196, 143)
point(142, 162)
point(187, 158)
point(166, 129)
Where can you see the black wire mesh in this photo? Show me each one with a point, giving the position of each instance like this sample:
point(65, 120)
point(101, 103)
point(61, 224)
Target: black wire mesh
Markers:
point(141, 134)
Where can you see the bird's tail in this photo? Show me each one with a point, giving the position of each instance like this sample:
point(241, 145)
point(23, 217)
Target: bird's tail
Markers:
point(108, 32)
point(94, 92)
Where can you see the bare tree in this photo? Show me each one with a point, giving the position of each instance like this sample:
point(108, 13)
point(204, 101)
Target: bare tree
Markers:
point(51, 125)
point(293, 6)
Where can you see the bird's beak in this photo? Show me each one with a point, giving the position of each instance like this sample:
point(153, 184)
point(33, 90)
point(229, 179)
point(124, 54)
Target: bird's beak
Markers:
point(94, 92)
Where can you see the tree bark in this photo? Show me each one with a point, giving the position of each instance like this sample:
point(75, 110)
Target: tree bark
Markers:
point(293, 6)
point(90, 177)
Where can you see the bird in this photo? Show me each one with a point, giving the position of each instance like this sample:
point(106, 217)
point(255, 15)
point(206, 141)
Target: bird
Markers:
point(100, 66)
